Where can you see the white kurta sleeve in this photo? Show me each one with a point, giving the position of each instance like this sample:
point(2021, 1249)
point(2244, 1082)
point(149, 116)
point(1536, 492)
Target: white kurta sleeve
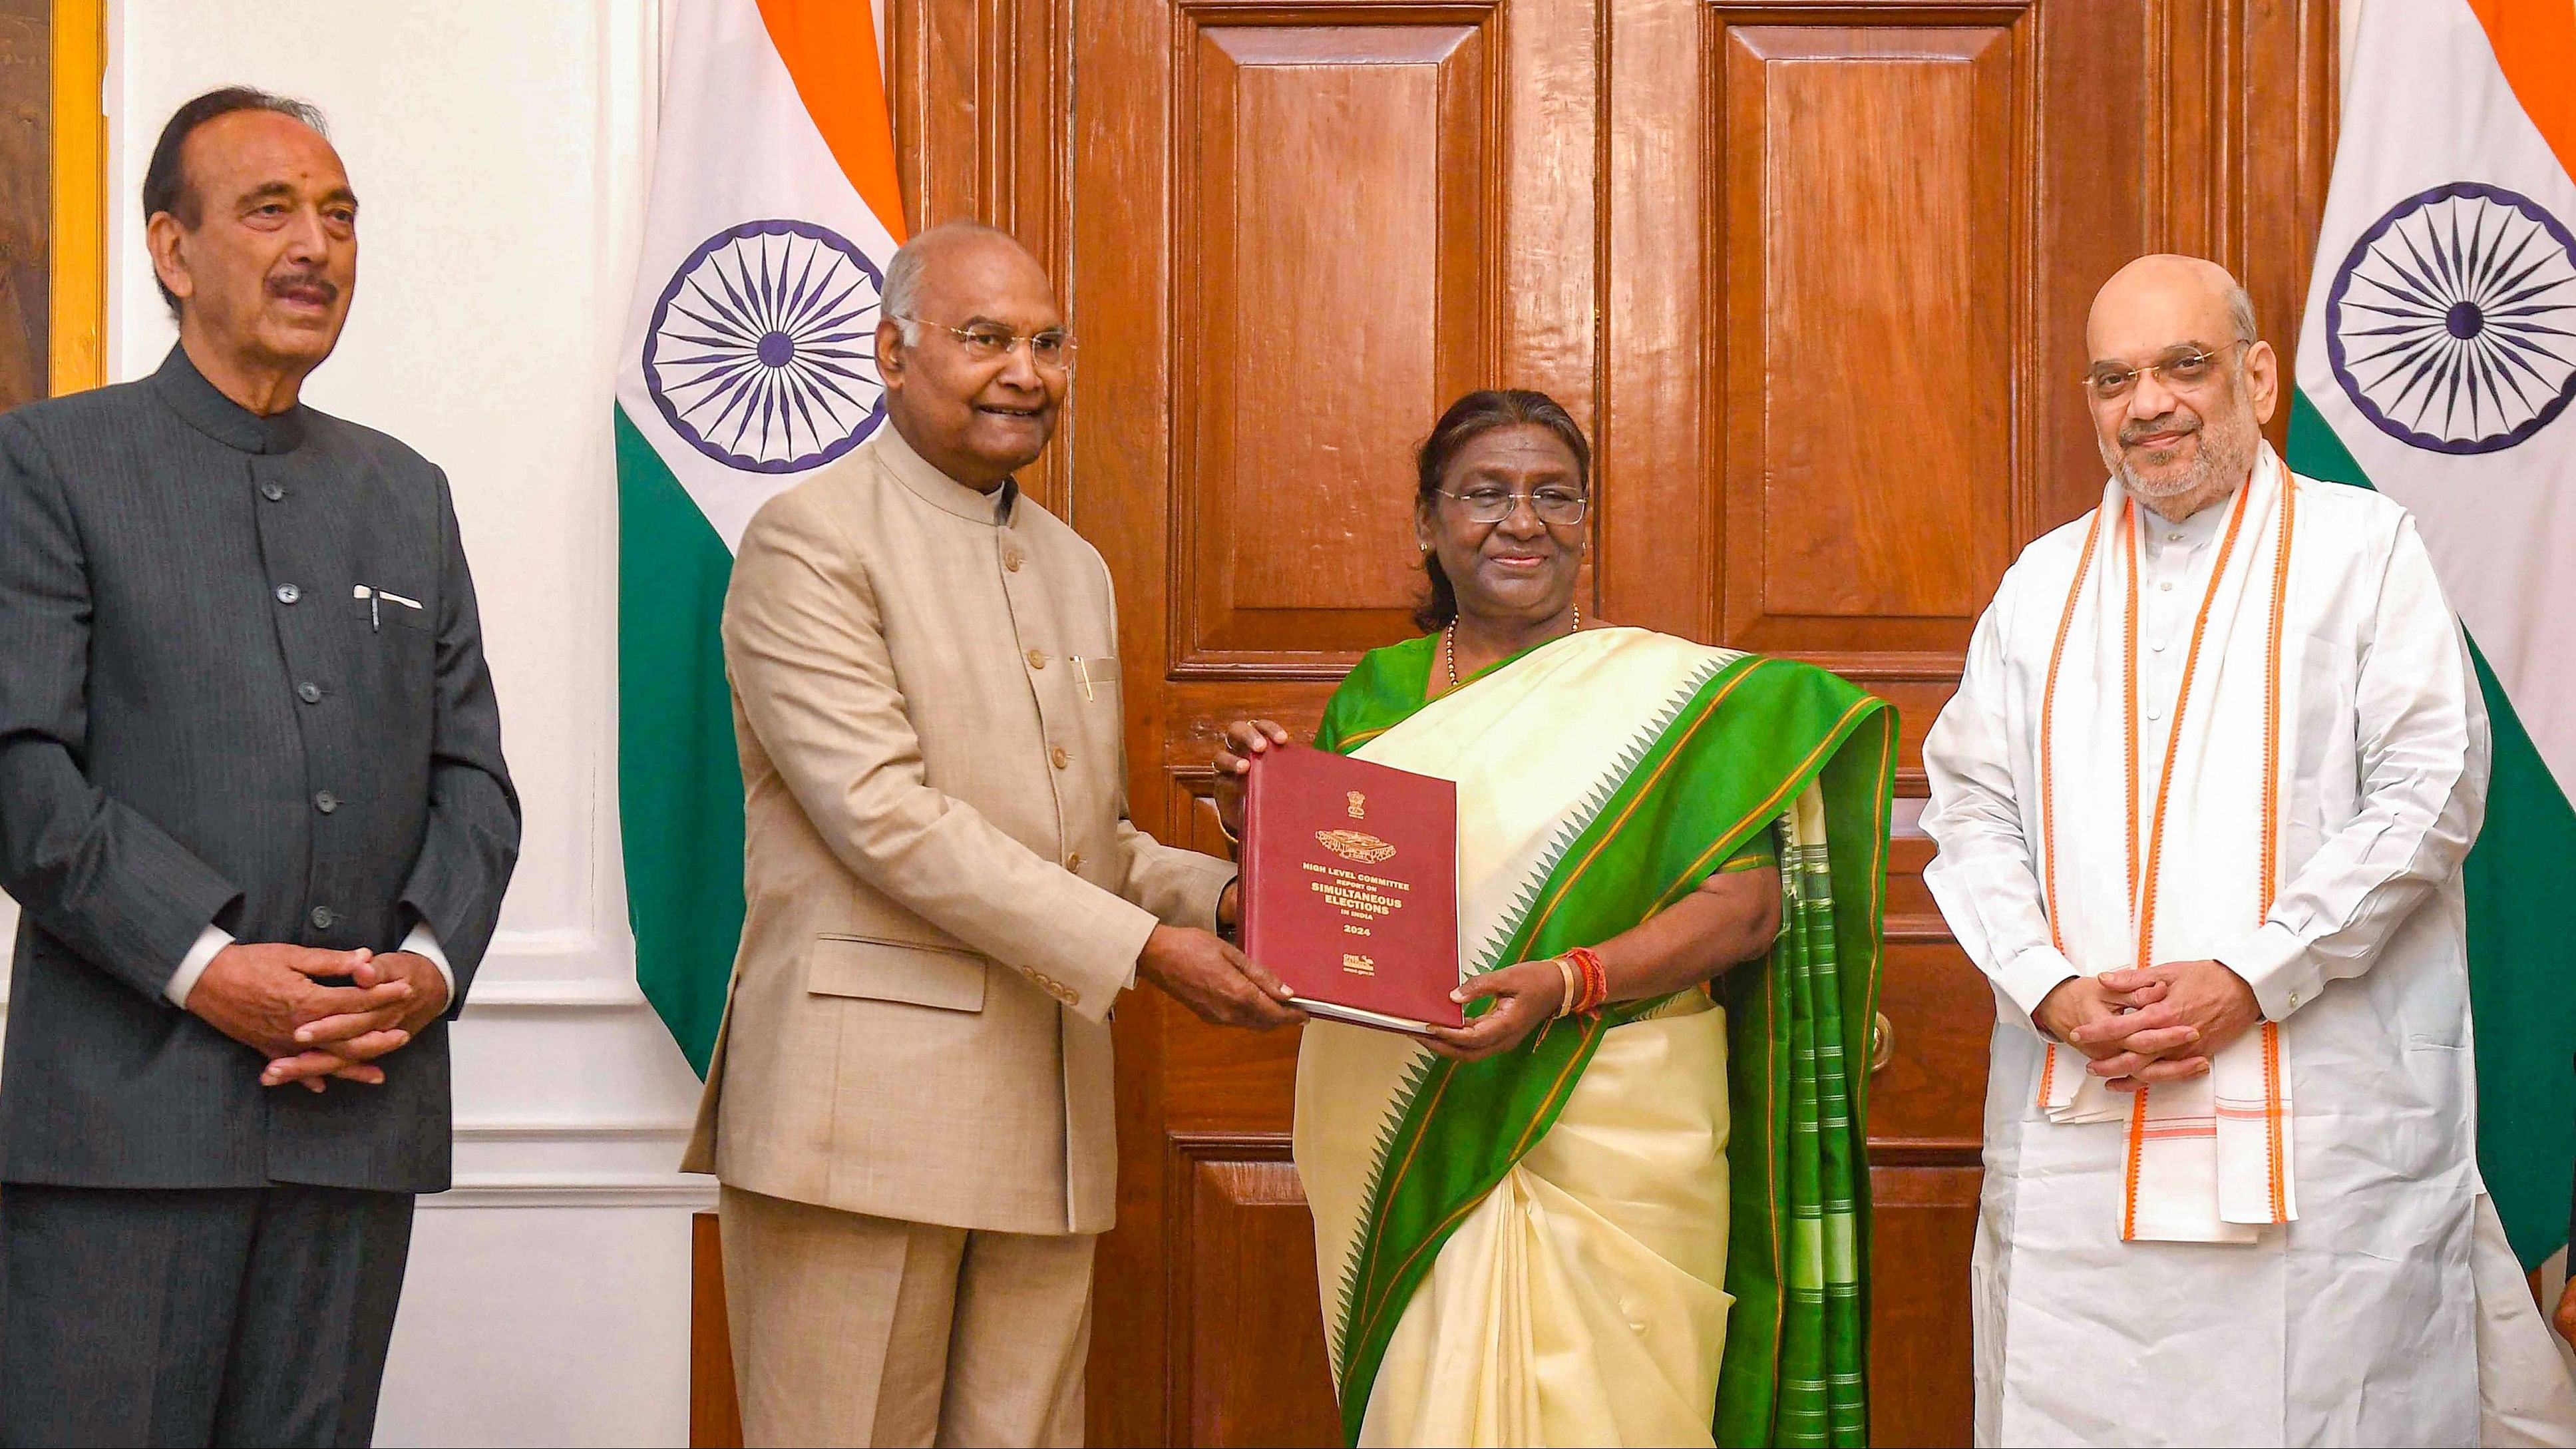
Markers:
point(2420, 729)
point(1986, 877)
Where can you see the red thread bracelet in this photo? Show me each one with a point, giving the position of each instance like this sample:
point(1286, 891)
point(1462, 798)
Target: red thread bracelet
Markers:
point(1596, 979)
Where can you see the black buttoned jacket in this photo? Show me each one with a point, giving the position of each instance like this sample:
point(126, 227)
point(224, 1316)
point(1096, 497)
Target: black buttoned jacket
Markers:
point(241, 683)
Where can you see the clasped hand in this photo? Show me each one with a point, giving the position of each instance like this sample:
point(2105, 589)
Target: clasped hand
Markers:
point(2141, 1026)
point(271, 998)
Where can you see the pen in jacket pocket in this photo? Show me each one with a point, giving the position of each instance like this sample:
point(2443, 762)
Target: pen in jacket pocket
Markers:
point(376, 600)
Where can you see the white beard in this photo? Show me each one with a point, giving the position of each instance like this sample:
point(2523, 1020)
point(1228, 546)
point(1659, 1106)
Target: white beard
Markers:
point(2219, 469)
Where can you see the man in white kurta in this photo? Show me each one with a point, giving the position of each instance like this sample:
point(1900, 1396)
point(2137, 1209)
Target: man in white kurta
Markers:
point(2201, 802)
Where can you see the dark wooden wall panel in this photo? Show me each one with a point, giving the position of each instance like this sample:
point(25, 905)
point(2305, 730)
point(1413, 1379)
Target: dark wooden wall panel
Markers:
point(1256, 1372)
point(715, 1410)
point(1923, 1230)
point(1336, 260)
point(1869, 273)
point(26, 197)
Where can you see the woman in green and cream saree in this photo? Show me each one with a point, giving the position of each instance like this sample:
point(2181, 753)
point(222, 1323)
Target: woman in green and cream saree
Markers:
point(1642, 1223)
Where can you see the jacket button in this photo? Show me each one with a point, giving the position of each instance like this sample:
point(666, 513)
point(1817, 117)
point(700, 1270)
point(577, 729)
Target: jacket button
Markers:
point(1060, 757)
point(288, 593)
point(326, 802)
point(1011, 560)
point(272, 492)
point(322, 918)
point(1036, 660)
point(309, 692)
point(1073, 861)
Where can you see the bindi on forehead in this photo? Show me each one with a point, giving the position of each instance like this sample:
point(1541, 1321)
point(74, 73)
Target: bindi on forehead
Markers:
point(259, 169)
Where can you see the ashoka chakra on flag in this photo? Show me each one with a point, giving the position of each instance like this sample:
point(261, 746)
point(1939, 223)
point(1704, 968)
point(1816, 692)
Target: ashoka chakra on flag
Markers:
point(761, 352)
point(2452, 324)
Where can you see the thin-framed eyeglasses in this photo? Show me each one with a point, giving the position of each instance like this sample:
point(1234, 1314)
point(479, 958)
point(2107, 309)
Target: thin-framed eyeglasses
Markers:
point(991, 342)
point(2182, 372)
point(1556, 507)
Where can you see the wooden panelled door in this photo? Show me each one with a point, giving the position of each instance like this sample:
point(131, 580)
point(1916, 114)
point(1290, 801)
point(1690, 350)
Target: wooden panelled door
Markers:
point(1814, 275)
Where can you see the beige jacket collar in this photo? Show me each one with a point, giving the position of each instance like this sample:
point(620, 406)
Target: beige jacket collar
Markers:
point(994, 509)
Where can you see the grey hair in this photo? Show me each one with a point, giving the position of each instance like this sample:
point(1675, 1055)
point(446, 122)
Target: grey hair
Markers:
point(2240, 312)
point(902, 294)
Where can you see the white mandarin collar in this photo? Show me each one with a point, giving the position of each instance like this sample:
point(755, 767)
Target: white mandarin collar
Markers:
point(2196, 532)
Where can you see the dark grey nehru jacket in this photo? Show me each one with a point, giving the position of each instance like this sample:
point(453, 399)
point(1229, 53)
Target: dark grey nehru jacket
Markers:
point(203, 720)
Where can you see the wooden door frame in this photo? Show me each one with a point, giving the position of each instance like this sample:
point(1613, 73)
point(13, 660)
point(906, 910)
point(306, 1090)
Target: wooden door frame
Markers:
point(76, 250)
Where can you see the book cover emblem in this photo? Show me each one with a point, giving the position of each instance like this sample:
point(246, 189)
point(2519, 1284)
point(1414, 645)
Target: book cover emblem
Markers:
point(1355, 845)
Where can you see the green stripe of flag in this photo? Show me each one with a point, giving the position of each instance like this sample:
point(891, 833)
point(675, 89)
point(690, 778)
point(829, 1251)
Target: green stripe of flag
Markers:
point(679, 784)
point(2521, 956)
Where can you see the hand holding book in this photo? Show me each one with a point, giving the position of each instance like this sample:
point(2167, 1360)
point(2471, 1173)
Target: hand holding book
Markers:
point(1350, 879)
point(1246, 740)
point(1526, 997)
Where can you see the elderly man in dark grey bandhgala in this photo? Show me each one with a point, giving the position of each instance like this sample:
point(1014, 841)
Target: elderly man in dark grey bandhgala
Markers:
point(253, 806)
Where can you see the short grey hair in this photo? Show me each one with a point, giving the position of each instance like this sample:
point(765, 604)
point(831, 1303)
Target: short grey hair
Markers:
point(2240, 312)
point(902, 295)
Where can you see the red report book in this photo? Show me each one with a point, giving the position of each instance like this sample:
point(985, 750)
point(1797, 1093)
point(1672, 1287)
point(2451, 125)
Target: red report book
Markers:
point(1350, 886)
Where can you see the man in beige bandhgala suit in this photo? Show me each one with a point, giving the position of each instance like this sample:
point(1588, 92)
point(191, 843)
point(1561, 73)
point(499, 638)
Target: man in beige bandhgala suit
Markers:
point(910, 1105)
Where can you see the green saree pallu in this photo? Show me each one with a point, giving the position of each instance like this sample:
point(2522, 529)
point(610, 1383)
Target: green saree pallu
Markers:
point(1645, 1225)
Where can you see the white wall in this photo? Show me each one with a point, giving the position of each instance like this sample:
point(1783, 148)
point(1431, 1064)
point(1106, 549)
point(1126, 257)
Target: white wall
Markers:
point(499, 152)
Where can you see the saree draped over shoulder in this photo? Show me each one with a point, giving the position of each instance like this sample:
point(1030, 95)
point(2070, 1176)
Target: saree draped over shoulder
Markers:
point(1643, 1226)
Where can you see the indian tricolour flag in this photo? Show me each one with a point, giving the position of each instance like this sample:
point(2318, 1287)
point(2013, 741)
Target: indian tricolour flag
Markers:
point(748, 360)
point(2437, 365)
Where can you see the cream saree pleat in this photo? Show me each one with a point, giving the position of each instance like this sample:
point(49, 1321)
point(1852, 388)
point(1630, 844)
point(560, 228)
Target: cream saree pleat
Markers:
point(1581, 1303)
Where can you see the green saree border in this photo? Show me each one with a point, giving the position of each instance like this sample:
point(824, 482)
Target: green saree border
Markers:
point(1772, 1389)
point(1686, 804)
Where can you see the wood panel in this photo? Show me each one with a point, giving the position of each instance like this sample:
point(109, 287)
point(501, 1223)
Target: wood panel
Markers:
point(1249, 1340)
point(715, 1409)
point(26, 197)
point(1870, 247)
point(981, 93)
point(1931, 1096)
point(1337, 277)
point(1923, 1229)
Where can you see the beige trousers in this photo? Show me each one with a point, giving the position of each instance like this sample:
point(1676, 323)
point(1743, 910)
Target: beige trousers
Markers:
point(857, 1330)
